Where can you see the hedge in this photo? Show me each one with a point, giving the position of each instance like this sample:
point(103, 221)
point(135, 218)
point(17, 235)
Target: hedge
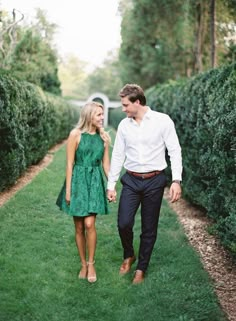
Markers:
point(204, 111)
point(115, 115)
point(31, 122)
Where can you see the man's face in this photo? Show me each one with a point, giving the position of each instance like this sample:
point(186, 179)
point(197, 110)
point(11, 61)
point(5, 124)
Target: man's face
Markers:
point(131, 109)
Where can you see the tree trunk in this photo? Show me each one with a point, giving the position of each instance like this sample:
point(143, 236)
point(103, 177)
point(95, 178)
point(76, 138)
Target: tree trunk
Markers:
point(198, 38)
point(213, 33)
point(9, 28)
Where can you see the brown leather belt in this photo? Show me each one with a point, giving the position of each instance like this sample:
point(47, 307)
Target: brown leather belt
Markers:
point(144, 175)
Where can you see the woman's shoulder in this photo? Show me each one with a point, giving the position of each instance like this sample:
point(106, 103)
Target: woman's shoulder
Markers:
point(75, 132)
point(75, 135)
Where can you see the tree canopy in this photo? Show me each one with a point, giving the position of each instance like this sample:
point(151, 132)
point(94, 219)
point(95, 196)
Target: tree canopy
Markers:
point(161, 40)
point(170, 39)
point(28, 51)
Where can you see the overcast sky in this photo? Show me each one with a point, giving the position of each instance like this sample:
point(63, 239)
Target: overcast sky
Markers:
point(87, 28)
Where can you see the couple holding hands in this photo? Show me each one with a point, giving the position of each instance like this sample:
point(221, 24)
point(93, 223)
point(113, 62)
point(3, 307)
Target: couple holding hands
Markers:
point(140, 146)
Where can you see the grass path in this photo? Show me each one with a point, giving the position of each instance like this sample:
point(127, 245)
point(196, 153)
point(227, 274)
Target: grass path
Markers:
point(39, 265)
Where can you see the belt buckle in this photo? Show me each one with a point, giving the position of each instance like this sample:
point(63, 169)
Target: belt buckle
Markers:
point(143, 176)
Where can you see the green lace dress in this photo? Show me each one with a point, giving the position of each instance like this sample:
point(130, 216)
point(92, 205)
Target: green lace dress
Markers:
point(88, 193)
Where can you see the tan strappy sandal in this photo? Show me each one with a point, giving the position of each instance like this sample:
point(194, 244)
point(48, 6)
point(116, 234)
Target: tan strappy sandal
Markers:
point(92, 278)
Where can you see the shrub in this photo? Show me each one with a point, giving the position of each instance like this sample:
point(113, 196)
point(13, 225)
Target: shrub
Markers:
point(115, 116)
point(31, 122)
point(204, 112)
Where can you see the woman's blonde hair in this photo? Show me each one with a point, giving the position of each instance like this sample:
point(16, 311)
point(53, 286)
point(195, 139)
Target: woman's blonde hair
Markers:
point(85, 121)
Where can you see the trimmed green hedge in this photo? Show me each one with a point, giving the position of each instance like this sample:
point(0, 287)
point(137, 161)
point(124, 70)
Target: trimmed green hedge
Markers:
point(204, 111)
point(31, 122)
point(115, 115)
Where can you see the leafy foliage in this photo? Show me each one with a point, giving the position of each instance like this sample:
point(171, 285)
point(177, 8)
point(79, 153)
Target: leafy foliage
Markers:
point(73, 77)
point(35, 61)
point(204, 111)
point(164, 40)
point(29, 53)
point(31, 122)
point(106, 79)
point(115, 116)
point(80, 84)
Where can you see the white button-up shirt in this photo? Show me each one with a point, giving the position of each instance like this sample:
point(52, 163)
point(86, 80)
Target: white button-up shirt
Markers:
point(141, 147)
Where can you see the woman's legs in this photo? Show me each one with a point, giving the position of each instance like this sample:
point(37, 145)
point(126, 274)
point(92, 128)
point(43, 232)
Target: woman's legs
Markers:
point(91, 238)
point(81, 244)
point(86, 237)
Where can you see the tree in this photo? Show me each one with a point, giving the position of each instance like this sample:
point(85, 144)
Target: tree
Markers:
point(43, 27)
point(28, 51)
point(170, 39)
point(200, 32)
point(213, 33)
point(73, 77)
point(155, 37)
point(106, 79)
point(8, 35)
point(230, 56)
point(35, 61)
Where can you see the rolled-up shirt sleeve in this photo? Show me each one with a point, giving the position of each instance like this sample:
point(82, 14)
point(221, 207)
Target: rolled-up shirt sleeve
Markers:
point(117, 160)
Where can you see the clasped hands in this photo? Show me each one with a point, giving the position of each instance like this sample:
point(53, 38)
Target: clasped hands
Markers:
point(111, 195)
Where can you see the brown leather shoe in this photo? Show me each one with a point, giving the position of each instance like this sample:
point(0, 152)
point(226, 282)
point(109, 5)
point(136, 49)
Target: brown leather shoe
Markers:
point(138, 277)
point(126, 265)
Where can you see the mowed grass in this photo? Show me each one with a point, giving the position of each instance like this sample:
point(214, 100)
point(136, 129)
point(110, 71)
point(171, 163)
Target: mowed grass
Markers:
point(39, 265)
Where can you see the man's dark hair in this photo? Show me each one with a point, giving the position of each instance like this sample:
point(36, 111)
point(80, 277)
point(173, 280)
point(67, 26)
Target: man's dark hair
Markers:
point(133, 92)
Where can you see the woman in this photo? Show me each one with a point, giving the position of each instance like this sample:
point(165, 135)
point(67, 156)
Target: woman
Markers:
point(83, 195)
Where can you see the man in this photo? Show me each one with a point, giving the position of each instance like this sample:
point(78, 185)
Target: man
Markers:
point(141, 141)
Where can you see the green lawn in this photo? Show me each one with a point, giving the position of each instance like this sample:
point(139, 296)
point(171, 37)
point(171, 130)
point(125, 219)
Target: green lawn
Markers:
point(39, 265)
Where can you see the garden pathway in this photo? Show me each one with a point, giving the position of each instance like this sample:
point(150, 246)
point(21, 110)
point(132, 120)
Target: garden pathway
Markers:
point(214, 258)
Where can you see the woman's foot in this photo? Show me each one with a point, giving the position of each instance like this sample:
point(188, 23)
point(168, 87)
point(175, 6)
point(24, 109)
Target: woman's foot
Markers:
point(83, 272)
point(91, 276)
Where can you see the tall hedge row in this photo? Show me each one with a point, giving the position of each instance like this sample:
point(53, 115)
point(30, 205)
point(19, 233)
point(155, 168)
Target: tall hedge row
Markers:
point(204, 111)
point(31, 122)
point(115, 115)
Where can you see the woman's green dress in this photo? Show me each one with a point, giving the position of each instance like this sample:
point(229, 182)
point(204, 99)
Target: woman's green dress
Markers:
point(88, 194)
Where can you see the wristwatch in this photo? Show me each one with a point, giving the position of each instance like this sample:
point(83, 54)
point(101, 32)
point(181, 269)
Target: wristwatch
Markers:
point(176, 181)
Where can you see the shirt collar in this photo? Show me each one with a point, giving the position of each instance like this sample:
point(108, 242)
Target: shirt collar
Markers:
point(147, 115)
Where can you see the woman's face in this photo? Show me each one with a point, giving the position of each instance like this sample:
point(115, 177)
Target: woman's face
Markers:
point(98, 117)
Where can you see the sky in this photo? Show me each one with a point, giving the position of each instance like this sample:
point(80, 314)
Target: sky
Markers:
point(86, 28)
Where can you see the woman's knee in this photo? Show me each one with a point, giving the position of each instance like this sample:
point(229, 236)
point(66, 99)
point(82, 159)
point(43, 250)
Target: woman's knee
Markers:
point(79, 225)
point(90, 222)
point(79, 229)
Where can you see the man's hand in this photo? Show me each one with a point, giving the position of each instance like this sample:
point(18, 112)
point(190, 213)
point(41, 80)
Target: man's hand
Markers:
point(175, 192)
point(111, 195)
